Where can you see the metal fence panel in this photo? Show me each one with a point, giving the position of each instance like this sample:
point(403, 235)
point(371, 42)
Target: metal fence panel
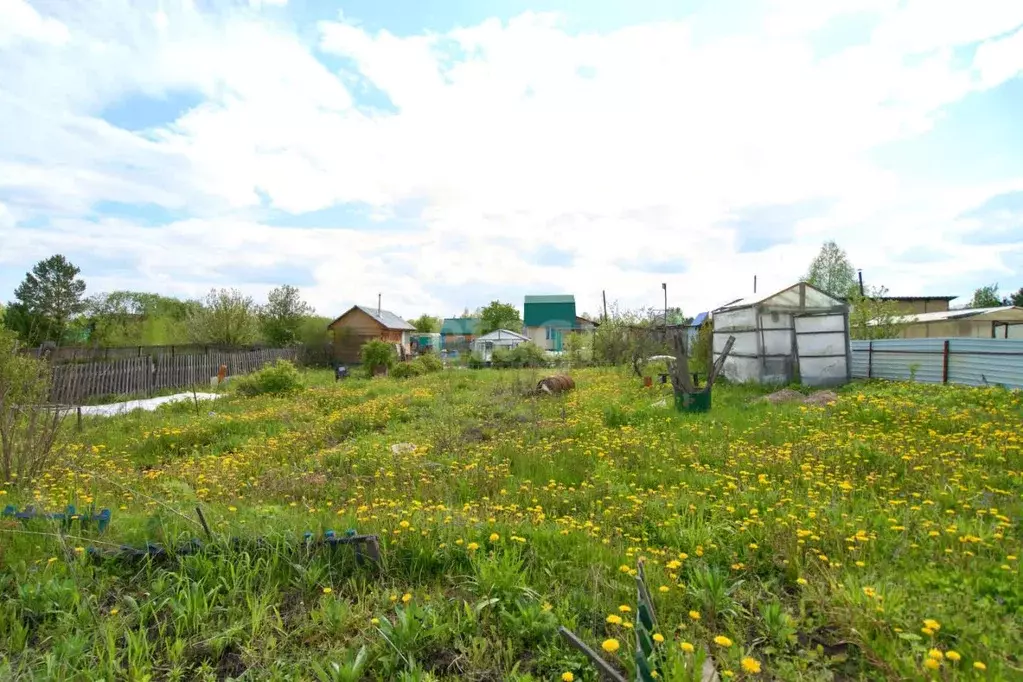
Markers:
point(981, 362)
point(975, 362)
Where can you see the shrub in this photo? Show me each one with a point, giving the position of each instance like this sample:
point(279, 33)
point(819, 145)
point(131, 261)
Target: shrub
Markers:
point(276, 379)
point(430, 362)
point(529, 354)
point(405, 370)
point(501, 357)
point(377, 353)
point(28, 428)
point(475, 361)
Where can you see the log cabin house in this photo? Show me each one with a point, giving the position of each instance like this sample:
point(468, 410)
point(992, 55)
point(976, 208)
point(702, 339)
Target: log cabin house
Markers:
point(361, 324)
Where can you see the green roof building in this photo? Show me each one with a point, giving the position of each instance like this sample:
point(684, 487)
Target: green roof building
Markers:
point(547, 318)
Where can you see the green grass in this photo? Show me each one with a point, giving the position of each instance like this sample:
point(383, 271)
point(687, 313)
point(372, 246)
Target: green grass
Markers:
point(818, 540)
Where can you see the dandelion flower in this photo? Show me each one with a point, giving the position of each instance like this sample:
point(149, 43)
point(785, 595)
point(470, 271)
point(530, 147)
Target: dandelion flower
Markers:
point(952, 655)
point(610, 645)
point(800, 581)
point(721, 640)
point(374, 621)
point(750, 665)
point(658, 637)
point(695, 615)
point(614, 619)
point(406, 598)
point(979, 666)
point(663, 588)
point(472, 546)
point(932, 624)
point(567, 677)
point(624, 608)
point(935, 654)
point(494, 537)
point(114, 612)
point(687, 647)
point(932, 664)
point(327, 590)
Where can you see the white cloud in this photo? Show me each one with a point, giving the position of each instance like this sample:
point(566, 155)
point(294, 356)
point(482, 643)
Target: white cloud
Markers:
point(21, 22)
point(627, 147)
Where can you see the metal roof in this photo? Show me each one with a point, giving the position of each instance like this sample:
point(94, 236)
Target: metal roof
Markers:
point(1008, 312)
point(385, 318)
point(915, 298)
point(699, 319)
point(459, 326)
point(554, 298)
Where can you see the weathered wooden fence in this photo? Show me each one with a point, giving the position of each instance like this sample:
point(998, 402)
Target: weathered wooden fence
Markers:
point(74, 382)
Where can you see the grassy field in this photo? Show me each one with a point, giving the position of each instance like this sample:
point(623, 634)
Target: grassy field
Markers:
point(874, 538)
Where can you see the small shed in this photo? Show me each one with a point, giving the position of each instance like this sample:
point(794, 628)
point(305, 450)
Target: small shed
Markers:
point(1002, 322)
point(799, 333)
point(499, 338)
point(360, 324)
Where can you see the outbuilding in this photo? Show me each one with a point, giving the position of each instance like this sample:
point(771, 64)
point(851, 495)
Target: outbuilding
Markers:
point(797, 334)
point(485, 345)
point(360, 324)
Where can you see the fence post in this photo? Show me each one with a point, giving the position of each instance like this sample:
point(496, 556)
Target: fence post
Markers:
point(944, 363)
point(870, 360)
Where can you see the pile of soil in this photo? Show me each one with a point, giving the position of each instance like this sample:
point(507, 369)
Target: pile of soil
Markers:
point(787, 395)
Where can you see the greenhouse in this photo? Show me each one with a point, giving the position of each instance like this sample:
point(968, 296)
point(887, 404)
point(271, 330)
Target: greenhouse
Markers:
point(798, 334)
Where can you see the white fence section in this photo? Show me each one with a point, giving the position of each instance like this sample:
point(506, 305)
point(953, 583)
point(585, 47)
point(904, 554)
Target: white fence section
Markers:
point(822, 349)
point(975, 362)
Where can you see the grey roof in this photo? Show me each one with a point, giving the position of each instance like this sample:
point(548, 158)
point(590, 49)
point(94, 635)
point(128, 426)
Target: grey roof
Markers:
point(387, 318)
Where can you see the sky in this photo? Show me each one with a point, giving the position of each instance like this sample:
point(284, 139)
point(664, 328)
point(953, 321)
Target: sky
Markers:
point(443, 154)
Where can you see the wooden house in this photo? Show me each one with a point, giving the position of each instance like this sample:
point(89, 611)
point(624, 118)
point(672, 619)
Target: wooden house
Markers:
point(458, 333)
point(361, 324)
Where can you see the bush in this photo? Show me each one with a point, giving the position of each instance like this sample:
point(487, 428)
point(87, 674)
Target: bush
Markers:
point(501, 357)
point(405, 370)
point(430, 362)
point(529, 354)
point(29, 430)
point(276, 379)
point(476, 361)
point(377, 353)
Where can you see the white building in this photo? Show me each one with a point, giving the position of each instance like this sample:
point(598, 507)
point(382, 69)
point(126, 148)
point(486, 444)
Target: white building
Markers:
point(799, 333)
point(485, 345)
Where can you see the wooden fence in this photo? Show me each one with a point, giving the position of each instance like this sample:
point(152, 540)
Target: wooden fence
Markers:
point(74, 382)
point(92, 354)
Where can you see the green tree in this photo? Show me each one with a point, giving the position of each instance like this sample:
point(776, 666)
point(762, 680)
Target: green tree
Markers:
point(376, 354)
point(831, 271)
point(426, 324)
point(226, 317)
point(281, 318)
point(872, 317)
point(50, 296)
point(499, 315)
point(1017, 298)
point(986, 297)
point(129, 318)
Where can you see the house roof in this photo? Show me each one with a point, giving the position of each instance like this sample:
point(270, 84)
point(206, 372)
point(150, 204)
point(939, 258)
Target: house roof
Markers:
point(501, 334)
point(1004, 312)
point(788, 297)
point(385, 318)
point(915, 298)
point(699, 319)
point(460, 326)
point(554, 298)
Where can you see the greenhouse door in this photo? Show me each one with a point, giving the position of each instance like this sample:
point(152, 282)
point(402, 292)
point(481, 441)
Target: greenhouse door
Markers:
point(822, 348)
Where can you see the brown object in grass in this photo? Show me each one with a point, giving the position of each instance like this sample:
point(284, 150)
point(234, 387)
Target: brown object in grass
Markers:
point(558, 383)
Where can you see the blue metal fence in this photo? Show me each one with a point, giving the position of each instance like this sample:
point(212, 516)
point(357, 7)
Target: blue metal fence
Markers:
point(975, 362)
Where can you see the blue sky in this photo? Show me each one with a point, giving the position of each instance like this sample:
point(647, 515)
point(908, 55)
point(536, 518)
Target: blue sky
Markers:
point(443, 154)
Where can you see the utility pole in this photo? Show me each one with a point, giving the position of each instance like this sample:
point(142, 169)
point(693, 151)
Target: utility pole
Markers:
point(664, 285)
point(754, 284)
point(860, 272)
point(604, 294)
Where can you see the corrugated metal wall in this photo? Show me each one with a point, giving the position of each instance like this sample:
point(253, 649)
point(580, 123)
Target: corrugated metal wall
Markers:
point(976, 362)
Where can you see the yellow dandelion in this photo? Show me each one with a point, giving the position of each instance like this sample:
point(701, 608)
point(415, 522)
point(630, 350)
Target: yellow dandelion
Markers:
point(695, 615)
point(932, 624)
point(614, 619)
point(567, 677)
point(494, 537)
point(979, 666)
point(935, 654)
point(472, 546)
point(406, 598)
point(800, 581)
point(687, 647)
point(750, 665)
point(610, 645)
point(624, 608)
point(953, 655)
point(932, 664)
point(658, 637)
point(721, 640)
point(327, 590)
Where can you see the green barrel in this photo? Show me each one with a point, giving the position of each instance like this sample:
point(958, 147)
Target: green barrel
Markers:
point(693, 402)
